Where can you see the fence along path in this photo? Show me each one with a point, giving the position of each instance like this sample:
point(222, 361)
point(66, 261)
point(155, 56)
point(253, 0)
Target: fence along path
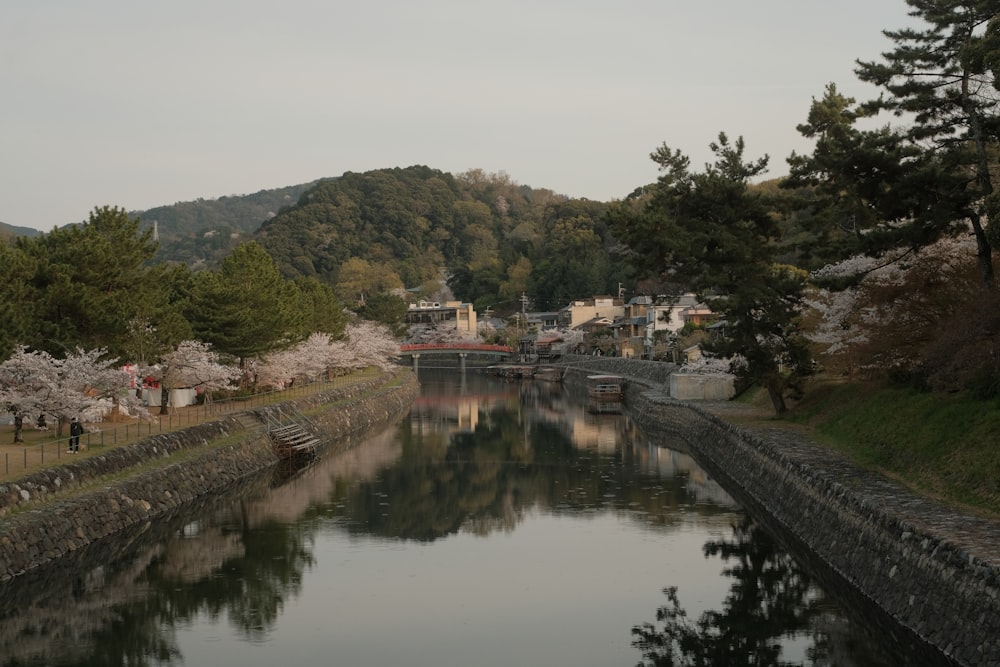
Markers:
point(42, 449)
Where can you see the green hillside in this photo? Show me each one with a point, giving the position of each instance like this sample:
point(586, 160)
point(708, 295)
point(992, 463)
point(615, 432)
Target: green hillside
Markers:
point(10, 231)
point(203, 231)
point(405, 227)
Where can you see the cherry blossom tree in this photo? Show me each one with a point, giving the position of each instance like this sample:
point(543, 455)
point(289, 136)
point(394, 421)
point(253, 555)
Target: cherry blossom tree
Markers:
point(23, 385)
point(310, 359)
point(91, 385)
point(193, 365)
point(86, 384)
point(896, 306)
point(366, 343)
point(440, 333)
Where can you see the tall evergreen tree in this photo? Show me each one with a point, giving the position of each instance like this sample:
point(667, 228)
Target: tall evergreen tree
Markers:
point(323, 311)
point(867, 191)
point(90, 281)
point(17, 310)
point(386, 309)
point(944, 77)
point(247, 308)
point(714, 233)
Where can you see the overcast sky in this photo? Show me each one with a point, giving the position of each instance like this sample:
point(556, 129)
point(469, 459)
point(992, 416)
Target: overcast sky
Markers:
point(141, 104)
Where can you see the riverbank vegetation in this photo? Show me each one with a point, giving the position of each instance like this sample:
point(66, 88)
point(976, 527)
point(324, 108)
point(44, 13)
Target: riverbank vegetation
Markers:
point(941, 445)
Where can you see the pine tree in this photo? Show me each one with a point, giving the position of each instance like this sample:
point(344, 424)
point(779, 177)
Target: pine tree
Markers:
point(17, 300)
point(247, 308)
point(90, 280)
point(944, 77)
point(714, 233)
point(867, 191)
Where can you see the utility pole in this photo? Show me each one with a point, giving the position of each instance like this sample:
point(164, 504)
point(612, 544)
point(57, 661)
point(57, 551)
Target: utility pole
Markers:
point(522, 320)
point(486, 322)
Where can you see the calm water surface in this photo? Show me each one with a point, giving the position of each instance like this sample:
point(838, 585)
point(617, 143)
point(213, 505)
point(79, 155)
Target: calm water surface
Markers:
point(498, 524)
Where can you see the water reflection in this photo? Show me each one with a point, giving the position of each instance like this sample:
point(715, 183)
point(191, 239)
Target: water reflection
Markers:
point(477, 460)
point(771, 599)
point(558, 521)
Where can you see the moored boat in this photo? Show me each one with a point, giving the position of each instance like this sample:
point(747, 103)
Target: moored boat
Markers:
point(605, 393)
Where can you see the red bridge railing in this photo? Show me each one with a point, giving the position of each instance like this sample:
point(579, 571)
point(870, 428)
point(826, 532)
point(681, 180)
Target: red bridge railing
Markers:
point(457, 347)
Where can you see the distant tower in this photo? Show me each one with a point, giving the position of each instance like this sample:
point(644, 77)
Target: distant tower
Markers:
point(156, 231)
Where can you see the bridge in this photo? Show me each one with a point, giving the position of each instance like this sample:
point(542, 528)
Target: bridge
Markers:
point(462, 350)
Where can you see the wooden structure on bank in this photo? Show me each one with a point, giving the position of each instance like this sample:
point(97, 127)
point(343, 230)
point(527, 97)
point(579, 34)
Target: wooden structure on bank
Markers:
point(527, 372)
point(549, 373)
point(512, 371)
point(605, 393)
point(292, 440)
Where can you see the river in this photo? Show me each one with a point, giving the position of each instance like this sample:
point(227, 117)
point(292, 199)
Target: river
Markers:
point(498, 523)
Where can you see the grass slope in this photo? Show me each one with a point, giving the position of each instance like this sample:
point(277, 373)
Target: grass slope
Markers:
point(946, 446)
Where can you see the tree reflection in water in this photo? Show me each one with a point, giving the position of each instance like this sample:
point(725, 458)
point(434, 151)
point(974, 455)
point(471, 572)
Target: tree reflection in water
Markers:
point(770, 600)
point(241, 559)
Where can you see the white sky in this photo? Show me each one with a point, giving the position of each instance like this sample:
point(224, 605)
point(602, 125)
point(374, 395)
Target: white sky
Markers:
point(141, 104)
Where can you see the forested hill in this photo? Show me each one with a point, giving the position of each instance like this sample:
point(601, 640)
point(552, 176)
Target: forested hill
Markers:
point(493, 239)
point(408, 227)
point(10, 231)
point(203, 231)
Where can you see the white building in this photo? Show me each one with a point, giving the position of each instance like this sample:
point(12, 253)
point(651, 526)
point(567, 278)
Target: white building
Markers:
point(461, 315)
point(671, 314)
point(586, 310)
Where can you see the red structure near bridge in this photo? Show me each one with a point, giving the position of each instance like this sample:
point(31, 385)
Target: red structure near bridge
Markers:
point(410, 348)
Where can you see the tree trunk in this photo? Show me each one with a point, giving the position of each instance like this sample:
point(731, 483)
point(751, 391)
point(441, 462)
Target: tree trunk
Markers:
point(777, 397)
point(18, 427)
point(984, 252)
point(164, 399)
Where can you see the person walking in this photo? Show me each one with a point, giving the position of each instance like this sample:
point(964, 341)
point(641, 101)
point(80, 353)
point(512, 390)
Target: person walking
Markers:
point(75, 431)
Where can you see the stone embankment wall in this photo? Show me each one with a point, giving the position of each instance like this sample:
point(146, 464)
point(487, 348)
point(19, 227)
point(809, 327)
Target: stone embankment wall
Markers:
point(939, 592)
point(652, 373)
point(67, 507)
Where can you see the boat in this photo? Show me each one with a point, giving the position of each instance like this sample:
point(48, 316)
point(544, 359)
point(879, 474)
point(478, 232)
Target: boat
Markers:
point(605, 393)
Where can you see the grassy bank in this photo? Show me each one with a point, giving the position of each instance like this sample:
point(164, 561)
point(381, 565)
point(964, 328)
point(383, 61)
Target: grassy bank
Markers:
point(946, 446)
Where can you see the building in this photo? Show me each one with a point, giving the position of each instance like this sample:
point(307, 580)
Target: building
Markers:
point(589, 310)
point(670, 312)
point(543, 320)
point(461, 315)
point(698, 315)
point(634, 331)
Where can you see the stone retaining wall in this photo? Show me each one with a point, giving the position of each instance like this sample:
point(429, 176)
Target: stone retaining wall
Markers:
point(50, 521)
point(652, 373)
point(943, 595)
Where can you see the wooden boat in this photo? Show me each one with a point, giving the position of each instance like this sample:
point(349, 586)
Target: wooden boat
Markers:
point(605, 393)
